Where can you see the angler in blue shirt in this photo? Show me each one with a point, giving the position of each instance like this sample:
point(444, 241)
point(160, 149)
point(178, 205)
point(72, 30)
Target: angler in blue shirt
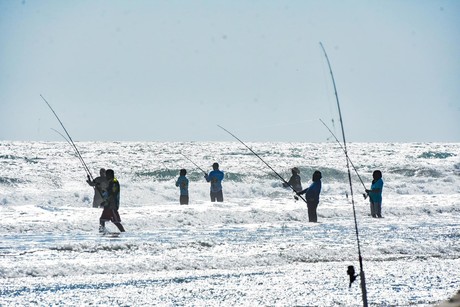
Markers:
point(375, 194)
point(215, 177)
point(182, 183)
point(312, 196)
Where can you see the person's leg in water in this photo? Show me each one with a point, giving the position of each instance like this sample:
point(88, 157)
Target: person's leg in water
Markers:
point(379, 209)
point(117, 220)
point(120, 227)
point(312, 217)
point(183, 200)
point(105, 217)
point(213, 196)
point(372, 205)
point(219, 196)
point(102, 225)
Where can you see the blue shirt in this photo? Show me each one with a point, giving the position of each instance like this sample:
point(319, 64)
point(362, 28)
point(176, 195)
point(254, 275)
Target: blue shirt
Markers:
point(312, 192)
point(215, 177)
point(376, 197)
point(182, 182)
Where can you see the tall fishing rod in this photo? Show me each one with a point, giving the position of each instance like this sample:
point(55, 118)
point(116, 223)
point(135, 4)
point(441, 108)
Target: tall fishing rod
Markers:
point(193, 163)
point(68, 142)
point(250, 149)
point(63, 136)
point(340, 144)
point(363, 280)
point(88, 172)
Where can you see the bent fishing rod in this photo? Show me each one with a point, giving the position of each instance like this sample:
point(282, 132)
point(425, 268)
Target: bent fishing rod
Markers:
point(70, 141)
point(63, 136)
point(194, 163)
point(354, 168)
point(363, 280)
point(250, 149)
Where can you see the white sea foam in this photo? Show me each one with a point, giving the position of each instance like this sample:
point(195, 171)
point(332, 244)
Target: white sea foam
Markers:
point(255, 248)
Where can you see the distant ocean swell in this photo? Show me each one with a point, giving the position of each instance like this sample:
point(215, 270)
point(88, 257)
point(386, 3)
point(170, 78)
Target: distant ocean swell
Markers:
point(408, 168)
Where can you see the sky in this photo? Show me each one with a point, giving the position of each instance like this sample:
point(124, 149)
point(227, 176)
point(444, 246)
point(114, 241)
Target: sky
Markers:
point(174, 70)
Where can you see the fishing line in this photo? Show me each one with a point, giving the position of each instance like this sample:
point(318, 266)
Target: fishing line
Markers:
point(193, 163)
point(70, 141)
point(363, 281)
point(63, 136)
point(340, 144)
point(328, 88)
point(67, 140)
point(250, 149)
point(88, 172)
point(262, 173)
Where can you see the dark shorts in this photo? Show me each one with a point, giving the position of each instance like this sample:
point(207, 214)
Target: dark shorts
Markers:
point(219, 196)
point(183, 199)
point(110, 215)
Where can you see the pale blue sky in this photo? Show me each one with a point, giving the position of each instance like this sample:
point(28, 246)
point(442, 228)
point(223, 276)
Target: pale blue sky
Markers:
point(173, 70)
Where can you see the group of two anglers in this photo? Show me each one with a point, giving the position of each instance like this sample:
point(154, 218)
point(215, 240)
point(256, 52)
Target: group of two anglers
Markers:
point(313, 191)
point(107, 193)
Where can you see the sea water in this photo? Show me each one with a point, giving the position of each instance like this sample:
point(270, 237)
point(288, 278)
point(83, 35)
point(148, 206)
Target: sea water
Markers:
point(255, 248)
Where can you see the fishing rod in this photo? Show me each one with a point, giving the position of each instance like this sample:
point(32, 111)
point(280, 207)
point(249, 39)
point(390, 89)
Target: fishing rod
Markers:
point(363, 280)
point(67, 140)
point(71, 143)
point(63, 136)
point(194, 163)
point(340, 144)
point(250, 149)
point(88, 172)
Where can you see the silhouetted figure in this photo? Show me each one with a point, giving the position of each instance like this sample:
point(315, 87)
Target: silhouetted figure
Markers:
point(375, 194)
point(215, 177)
point(100, 185)
point(111, 203)
point(182, 183)
point(294, 181)
point(351, 273)
point(312, 196)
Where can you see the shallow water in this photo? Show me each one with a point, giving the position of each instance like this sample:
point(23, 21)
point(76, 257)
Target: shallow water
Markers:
point(256, 248)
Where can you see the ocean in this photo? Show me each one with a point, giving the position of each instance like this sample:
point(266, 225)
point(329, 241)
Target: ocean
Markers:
point(256, 248)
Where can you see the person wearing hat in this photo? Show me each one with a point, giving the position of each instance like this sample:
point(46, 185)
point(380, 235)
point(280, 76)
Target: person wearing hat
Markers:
point(294, 181)
point(100, 185)
point(312, 196)
point(215, 177)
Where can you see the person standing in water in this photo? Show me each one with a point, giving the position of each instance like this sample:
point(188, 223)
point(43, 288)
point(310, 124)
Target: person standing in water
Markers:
point(294, 181)
point(182, 182)
point(215, 177)
point(375, 194)
point(111, 203)
point(100, 185)
point(312, 196)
